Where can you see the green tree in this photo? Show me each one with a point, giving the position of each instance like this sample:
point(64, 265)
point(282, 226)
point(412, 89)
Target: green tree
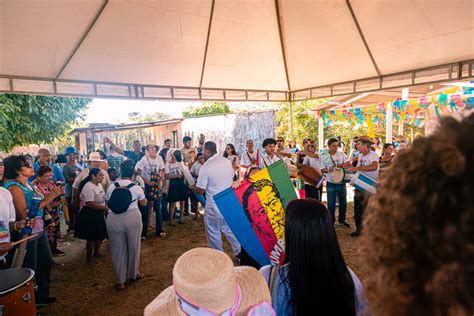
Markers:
point(207, 108)
point(305, 121)
point(27, 119)
point(152, 117)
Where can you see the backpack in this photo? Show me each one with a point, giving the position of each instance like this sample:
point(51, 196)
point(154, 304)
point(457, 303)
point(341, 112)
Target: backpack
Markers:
point(121, 198)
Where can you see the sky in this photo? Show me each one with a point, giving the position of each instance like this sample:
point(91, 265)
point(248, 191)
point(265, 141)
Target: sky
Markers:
point(116, 111)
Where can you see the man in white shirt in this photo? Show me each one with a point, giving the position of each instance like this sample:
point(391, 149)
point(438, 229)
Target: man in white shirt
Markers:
point(7, 219)
point(282, 151)
point(214, 177)
point(269, 157)
point(367, 164)
point(328, 163)
point(151, 168)
point(249, 158)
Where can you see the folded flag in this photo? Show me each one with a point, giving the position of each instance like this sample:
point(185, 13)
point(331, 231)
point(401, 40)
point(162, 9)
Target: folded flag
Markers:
point(255, 212)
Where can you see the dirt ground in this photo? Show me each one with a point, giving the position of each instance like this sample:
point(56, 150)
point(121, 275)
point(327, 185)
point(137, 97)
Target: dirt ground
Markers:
point(87, 290)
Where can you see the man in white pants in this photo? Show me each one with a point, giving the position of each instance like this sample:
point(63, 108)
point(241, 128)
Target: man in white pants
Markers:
point(215, 176)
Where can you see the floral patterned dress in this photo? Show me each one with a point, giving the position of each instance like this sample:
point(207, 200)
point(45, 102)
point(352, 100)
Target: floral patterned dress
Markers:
point(54, 233)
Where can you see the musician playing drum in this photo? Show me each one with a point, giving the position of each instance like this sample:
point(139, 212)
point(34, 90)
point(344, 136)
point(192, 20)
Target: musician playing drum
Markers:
point(329, 163)
point(367, 164)
point(312, 191)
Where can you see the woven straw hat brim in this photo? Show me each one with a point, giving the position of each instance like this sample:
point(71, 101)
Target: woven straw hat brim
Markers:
point(164, 304)
point(206, 277)
point(254, 290)
point(253, 287)
point(366, 139)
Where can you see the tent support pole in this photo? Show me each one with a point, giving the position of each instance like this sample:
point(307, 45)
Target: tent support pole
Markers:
point(389, 124)
point(280, 32)
point(320, 131)
point(405, 96)
point(205, 51)
point(291, 120)
point(86, 33)
point(359, 29)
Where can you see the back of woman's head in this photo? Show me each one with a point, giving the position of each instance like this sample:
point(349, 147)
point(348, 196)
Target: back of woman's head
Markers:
point(127, 170)
point(318, 278)
point(177, 155)
point(93, 172)
point(13, 165)
point(419, 227)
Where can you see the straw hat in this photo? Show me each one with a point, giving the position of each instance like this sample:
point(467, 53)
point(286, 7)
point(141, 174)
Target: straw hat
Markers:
point(206, 278)
point(365, 139)
point(152, 143)
point(95, 156)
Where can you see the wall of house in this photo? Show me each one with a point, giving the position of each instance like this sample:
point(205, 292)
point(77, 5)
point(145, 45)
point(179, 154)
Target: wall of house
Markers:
point(231, 128)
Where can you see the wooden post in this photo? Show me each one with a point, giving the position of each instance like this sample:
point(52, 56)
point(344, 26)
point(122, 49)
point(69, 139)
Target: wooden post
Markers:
point(320, 131)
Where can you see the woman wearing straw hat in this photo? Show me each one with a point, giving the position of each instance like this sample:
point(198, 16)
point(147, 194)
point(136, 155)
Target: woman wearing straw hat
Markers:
point(315, 279)
point(205, 282)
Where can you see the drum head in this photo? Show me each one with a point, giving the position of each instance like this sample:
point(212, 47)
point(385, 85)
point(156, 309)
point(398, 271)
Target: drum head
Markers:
point(337, 175)
point(10, 279)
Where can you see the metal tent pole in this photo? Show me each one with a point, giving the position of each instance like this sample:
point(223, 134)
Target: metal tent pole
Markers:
point(389, 124)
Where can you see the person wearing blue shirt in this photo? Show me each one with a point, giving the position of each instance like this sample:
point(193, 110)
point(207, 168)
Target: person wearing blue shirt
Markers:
point(136, 154)
point(44, 159)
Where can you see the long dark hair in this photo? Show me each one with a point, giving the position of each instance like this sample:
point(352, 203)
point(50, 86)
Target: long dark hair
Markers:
point(92, 172)
point(318, 278)
point(234, 152)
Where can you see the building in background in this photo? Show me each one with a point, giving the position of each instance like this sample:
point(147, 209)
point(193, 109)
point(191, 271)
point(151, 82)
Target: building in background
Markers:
point(233, 128)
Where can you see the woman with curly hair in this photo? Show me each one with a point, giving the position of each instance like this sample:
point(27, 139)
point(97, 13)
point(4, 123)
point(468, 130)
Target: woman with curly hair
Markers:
point(418, 239)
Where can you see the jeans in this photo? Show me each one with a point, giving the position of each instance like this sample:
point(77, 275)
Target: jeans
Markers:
point(156, 205)
point(313, 192)
point(339, 190)
point(38, 258)
point(164, 207)
point(360, 202)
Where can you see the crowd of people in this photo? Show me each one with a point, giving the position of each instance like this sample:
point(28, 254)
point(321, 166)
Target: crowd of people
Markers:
point(416, 230)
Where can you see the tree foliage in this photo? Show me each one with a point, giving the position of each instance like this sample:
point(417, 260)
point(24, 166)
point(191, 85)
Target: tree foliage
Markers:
point(305, 124)
point(207, 108)
point(152, 117)
point(305, 121)
point(27, 119)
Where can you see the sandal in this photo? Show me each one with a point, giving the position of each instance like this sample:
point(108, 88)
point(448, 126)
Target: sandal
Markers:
point(162, 234)
point(120, 286)
point(139, 276)
point(181, 222)
point(172, 224)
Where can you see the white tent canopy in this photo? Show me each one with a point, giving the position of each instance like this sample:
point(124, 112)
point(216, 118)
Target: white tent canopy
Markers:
point(262, 50)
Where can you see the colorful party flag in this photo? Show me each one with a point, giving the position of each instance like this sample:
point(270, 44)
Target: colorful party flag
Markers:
point(255, 212)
